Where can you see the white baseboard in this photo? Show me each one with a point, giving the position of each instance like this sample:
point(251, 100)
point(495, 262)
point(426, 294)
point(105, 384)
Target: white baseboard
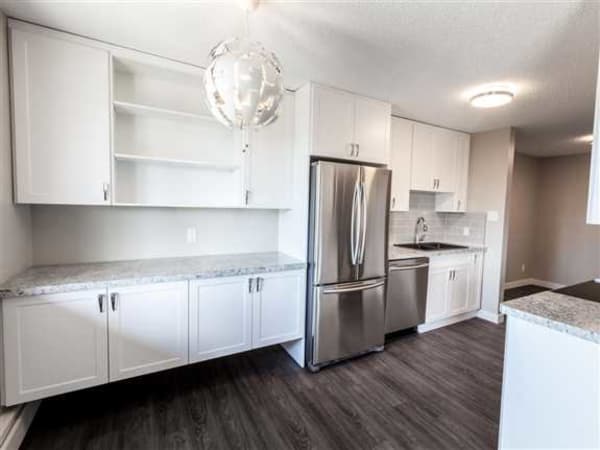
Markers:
point(19, 427)
point(445, 322)
point(535, 281)
point(496, 318)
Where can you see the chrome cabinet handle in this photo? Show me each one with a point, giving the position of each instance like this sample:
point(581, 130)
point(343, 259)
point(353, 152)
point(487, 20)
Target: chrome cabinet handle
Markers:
point(101, 299)
point(105, 188)
point(434, 183)
point(259, 283)
point(350, 148)
point(393, 202)
point(247, 196)
point(114, 297)
point(357, 150)
point(250, 285)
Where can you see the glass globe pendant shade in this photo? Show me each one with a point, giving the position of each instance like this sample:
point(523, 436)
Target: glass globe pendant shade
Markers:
point(243, 84)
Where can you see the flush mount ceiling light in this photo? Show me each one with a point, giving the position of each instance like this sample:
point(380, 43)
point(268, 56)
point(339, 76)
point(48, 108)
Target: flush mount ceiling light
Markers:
point(243, 82)
point(492, 97)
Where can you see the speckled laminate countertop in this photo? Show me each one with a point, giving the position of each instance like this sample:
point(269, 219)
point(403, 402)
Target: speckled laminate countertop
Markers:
point(40, 280)
point(570, 315)
point(395, 253)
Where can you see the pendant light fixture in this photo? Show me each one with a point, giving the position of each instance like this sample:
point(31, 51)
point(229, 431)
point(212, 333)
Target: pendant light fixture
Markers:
point(243, 82)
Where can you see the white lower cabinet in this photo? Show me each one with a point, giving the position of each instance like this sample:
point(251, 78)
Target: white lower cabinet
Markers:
point(58, 343)
point(53, 344)
point(231, 315)
point(454, 286)
point(148, 328)
point(278, 306)
point(220, 317)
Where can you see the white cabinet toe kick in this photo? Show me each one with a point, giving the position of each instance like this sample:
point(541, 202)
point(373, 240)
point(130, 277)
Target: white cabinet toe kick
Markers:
point(58, 343)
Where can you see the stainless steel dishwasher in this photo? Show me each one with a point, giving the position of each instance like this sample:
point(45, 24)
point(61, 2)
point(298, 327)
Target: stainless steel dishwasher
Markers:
point(406, 293)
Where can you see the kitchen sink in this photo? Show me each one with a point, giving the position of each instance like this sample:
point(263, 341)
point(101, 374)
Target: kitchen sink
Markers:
point(430, 246)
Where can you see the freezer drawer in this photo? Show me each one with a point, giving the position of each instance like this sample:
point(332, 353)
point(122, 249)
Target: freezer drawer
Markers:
point(406, 294)
point(349, 320)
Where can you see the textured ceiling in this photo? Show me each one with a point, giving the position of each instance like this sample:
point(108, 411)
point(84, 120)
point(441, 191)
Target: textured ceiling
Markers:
point(424, 57)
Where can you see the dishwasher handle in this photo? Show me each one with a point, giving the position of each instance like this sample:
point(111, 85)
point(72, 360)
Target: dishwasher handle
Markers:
point(402, 268)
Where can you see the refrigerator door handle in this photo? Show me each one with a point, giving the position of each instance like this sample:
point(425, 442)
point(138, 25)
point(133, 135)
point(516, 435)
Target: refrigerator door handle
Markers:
point(363, 223)
point(354, 226)
point(354, 287)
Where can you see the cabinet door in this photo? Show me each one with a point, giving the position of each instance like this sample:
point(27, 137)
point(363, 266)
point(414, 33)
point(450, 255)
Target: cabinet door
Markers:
point(279, 305)
point(372, 130)
point(333, 123)
point(474, 302)
point(220, 317)
point(60, 120)
point(271, 151)
point(460, 289)
point(463, 154)
point(444, 158)
point(422, 164)
point(400, 163)
point(148, 329)
point(437, 293)
point(54, 344)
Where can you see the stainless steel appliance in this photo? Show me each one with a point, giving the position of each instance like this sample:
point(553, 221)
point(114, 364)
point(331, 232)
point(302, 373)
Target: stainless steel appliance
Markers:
point(406, 293)
point(347, 261)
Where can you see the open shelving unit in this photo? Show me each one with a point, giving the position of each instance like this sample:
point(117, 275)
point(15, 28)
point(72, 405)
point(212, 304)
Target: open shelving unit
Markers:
point(168, 150)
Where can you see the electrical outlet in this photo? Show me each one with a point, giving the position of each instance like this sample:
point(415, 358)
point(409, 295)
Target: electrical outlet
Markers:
point(190, 235)
point(523, 268)
point(466, 231)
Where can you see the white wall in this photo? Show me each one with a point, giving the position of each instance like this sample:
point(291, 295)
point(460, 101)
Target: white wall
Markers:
point(69, 234)
point(15, 221)
point(490, 175)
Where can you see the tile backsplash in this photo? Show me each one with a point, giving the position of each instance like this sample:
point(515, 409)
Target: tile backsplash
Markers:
point(443, 227)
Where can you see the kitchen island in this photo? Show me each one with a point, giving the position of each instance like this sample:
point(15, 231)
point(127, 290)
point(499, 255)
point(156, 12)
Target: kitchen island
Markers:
point(551, 383)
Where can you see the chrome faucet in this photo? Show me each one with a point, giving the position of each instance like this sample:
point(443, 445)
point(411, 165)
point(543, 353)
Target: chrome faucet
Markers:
point(421, 230)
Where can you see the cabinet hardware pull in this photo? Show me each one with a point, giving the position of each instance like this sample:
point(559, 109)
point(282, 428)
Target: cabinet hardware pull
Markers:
point(434, 183)
point(357, 150)
point(393, 202)
point(113, 300)
point(101, 298)
point(259, 284)
point(105, 188)
point(458, 205)
point(250, 285)
point(350, 149)
point(247, 196)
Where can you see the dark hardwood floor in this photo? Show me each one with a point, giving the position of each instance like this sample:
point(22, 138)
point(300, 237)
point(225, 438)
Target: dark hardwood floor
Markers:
point(432, 391)
point(522, 291)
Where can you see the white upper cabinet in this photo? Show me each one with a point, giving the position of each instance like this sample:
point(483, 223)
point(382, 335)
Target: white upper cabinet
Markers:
point(348, 126)
point(61, 126)
point(148, 328)
point(422, 162)
point(372, 130)
point(455, 200)
point(269, 168)
point(333, 123)
point(434, 159)
point(444, 167)
point(400, 163)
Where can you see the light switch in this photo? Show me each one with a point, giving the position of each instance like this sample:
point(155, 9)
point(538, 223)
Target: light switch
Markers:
point(493, 216)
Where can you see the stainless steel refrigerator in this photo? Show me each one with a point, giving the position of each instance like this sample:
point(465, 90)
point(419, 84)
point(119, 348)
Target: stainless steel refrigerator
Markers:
point(347, 261)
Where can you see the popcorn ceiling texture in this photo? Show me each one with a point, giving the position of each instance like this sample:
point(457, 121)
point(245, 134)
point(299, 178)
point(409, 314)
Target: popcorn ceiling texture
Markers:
point(443, 227)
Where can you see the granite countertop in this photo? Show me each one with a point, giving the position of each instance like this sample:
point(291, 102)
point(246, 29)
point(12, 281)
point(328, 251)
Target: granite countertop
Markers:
point(395, 253)
point(570, 315)
point(40, 280)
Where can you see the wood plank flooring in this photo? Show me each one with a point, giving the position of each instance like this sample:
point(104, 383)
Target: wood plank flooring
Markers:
point(433, 391)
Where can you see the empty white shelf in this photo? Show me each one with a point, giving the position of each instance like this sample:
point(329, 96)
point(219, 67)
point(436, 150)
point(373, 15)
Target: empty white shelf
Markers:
point(209, 165)
point(136, 108)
